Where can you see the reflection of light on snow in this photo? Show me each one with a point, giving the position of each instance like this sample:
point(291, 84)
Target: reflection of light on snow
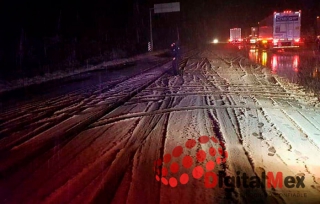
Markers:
point(264, 58)
point(316, 73)
point(285, 65)
point(295, 63)
point(274, 63)
point(287, 62)
point(253, 55)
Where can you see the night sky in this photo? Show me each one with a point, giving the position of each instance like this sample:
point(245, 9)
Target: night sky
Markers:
point(30, 27)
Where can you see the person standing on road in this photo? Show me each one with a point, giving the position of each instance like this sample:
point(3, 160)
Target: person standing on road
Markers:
point(175, 52)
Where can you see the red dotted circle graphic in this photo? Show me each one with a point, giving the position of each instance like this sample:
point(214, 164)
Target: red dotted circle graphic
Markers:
point(176, 168)
point(201, 155)
point(210, 165)
point(197, 172)
point(187, 161)
point(173, 182)
point(166, 158)
point(184, 178)
point(212, 151)
point(214, 139)
point(177, 151)
point(203, 139)
point(164, 181)
point(191, 143)
point(164, 171)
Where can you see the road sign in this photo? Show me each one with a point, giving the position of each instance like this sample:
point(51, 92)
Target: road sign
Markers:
point(168, 7)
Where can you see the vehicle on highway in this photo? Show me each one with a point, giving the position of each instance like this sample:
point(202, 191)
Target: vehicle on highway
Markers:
point(280, 30)
point(235, 35)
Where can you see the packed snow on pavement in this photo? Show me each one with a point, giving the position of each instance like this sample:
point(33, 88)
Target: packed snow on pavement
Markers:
point(226, 131)
point(6, 86)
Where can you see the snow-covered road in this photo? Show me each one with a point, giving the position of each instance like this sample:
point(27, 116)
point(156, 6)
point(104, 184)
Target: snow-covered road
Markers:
point(226, 131)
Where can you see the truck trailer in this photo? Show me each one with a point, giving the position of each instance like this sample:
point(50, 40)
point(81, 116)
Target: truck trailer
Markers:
point(286, 29)
point(280, 30)
point(235, 35)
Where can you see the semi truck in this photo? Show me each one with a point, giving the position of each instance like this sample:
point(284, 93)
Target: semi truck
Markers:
point(265, 32)
point(235, 35)
point(253, 37)
point(280, 30)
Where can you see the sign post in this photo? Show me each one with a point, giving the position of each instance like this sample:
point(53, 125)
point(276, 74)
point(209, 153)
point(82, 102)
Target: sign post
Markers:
point(151, 38)
point(162, 8)
point(166, 8)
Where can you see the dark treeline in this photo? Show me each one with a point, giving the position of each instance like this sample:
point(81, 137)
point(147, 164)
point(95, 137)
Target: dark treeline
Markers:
point(44, 36)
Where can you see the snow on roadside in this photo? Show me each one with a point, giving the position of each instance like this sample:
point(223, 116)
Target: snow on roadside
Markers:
point(24, 82)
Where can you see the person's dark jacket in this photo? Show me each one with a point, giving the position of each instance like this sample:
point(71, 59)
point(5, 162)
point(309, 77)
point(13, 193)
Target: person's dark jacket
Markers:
point(175, 49)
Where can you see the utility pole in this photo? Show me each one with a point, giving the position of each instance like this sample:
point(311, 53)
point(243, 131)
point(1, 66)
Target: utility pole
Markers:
point(151, 37)
point(178, 34)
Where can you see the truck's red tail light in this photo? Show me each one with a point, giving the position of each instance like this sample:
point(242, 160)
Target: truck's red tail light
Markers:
point(297, 40)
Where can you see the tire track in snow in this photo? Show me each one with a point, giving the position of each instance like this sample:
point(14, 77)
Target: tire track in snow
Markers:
point(236, 125)
point(56, 103)
point(157, 112)
point(293, 117)
point(70, 127)
point(145, 138)
point(107, 189)
point(224, 118)
point(56, 175)
point(280, 158)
